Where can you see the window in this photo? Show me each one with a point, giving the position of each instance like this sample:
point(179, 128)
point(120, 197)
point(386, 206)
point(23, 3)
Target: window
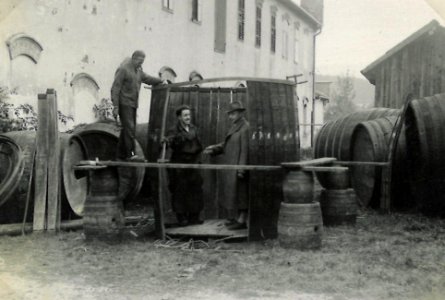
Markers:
point(241, 19)
point(196, 11)
point(167, 5)
point(297, 42)
point(258, 26)
point(273, 32)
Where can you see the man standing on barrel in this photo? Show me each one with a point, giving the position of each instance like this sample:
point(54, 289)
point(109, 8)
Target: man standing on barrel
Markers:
point(233, 184)
point(125, 97)
point(185, 185)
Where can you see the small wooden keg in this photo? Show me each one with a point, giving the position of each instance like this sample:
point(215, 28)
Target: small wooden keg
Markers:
point(300, 226)
point(338, 207)
point(103, 213)
point(298, 187)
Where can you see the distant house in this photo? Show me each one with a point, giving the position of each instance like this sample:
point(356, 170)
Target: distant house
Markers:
point(416, 67)
point(75, 46)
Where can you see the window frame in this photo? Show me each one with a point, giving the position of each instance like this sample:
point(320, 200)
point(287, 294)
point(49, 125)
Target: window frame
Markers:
point(258, 24)
point(167, 5)
point(241, 19)
point(273, 32)
point(197, 11)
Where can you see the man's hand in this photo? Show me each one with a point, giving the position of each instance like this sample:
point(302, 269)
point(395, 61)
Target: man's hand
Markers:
point(240, 174)
point(208, 150)
point(115, 112)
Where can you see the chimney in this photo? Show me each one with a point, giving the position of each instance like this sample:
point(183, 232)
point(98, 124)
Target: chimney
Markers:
point(314, 7)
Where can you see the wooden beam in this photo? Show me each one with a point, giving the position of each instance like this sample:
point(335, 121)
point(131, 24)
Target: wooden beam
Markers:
point(361, 163)
point(325, 169)
point(41, 165)
point(83, 165)
point(53, 161)
point(313, 162)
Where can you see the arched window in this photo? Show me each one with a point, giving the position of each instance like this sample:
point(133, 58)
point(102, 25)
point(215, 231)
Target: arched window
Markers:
point(85, 96)
point(21, 44)
point(167, 73)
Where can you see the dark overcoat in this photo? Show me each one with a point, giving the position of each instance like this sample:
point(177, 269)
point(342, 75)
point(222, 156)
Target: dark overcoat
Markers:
point(232, 190)
point(185, 185)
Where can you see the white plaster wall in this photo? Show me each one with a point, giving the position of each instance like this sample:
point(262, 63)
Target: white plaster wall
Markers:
point(69, 31)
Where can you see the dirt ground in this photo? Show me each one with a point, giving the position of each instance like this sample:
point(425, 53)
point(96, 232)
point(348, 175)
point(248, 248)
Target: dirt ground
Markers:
point(382, 257)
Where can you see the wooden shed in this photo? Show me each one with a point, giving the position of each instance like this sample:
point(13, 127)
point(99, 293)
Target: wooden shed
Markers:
point(415, 67)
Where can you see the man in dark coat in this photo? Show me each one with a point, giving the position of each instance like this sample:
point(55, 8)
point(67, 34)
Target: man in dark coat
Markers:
point(185, 185)
point(233, 184)
point(125, 97)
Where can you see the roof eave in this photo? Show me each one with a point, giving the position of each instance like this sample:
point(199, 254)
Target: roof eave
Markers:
point(302, 12)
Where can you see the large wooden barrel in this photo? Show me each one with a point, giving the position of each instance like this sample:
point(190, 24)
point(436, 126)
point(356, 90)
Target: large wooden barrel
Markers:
point(273, 138)
point(335, 179)
point(338, 207)
point(334, 138)
point(371, 143)
point(300, 226)
point(425, 138)
point(100, 140)
point(298, 187)
point(74, 189)
point(15, 162)
point(103, 213)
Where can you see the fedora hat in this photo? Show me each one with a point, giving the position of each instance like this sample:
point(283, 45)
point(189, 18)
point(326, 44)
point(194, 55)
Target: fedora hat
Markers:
point(235, 106)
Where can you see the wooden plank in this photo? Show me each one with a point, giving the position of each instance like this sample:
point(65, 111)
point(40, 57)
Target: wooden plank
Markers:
point(210, 228)
point(53, 162)
point(41, 165)
point(325, 169)
point(361, 163)
point(16, 229)
point(312, 162)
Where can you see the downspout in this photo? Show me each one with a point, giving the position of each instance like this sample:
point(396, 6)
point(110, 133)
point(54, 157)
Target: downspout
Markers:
point(313, 87)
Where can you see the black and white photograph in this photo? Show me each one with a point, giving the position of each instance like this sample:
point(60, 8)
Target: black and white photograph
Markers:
point(222, 149)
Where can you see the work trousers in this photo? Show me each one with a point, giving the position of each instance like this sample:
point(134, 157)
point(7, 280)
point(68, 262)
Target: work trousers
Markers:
point(126, 144)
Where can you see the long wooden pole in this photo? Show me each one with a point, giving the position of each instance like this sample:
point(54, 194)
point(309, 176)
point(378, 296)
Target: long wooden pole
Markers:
point(161, 171)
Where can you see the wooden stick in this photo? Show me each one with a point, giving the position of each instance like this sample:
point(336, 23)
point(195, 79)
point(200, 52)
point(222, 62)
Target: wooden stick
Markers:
point(177, 166)
point(210, 80)
point(362, 163)
point(41, 175)
point(161, 172)
point(53, 162)
point(28, 193)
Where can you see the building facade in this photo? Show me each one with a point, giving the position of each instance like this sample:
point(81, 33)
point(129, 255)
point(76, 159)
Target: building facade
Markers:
point(413, 68)
point(76, 46)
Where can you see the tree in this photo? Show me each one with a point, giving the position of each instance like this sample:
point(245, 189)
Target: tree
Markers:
point(342, 100)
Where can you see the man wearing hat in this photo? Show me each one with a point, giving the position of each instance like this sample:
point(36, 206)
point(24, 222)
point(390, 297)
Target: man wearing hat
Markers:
point(125, 96)
point(185, 185)
point(233, 189)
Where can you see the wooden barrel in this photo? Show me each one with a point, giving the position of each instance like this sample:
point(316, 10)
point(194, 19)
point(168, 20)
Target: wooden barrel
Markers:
point(300, 226)
point(334, 138)
point(370, 143)
point(273, 138)
point(425, 138)
point(74, 189)
point(337, 179)
point(103, 212)
point(338, 207)
point(15, 162)
point(298, 187)
point(100, 140)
